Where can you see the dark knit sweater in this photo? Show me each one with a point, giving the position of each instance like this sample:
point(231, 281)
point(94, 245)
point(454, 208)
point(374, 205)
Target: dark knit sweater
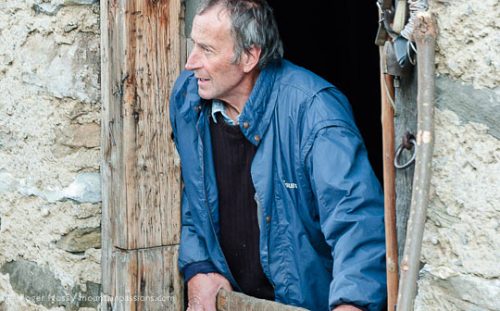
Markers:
point(239, 231)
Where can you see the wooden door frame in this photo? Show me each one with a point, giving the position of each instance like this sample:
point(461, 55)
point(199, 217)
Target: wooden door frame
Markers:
point(142, 49)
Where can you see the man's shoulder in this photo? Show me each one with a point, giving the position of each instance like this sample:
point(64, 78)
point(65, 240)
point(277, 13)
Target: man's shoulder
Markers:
point(312, 95)
point(315, 102)
point(301, 79)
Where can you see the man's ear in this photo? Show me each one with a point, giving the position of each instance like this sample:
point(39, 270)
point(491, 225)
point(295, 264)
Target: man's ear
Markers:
point(250, 59)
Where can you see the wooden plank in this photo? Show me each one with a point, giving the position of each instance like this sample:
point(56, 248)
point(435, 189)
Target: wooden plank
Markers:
point(125, 287)
point(170, 179)
point(232, 301)
point(105, 170)
point(159, 281)
point(143, 46)
point(152, 49)
point(111, 186)
point(111, 107)
point(147, 280)
point(173, 284)
point(142, 51)
point(405, 120)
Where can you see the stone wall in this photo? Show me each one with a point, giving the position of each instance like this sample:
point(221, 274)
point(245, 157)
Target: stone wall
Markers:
point(461, 249)
point(49, 157)
point(49, 154)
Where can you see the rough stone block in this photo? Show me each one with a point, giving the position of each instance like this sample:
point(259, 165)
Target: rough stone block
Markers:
point(81, 135)
point(80, 239)
point(37, 284)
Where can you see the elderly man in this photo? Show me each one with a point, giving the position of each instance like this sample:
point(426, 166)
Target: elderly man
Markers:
point(279, 199)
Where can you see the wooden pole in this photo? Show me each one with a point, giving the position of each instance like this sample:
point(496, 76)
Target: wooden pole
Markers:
point(387, 96)
point(233, 301)
point(425, 37)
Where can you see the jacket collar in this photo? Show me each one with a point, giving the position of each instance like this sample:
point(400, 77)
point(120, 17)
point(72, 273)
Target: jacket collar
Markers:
point(258, 110)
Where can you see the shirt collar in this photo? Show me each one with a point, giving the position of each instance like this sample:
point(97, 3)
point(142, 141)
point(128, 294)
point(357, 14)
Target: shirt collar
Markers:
point(258, 110)
point(218, 106)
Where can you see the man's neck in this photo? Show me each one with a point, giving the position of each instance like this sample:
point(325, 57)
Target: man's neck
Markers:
point(234, 106)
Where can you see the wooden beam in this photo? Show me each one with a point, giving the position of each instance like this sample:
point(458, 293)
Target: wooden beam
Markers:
point(142, 52)
point(147, 279)
point(126, 280)
point(232, 301)
point(405, 120)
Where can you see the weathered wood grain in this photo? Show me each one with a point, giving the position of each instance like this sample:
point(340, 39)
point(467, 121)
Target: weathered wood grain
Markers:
point(143, 57)
point(233, 301)
point(387, 114)
point(126, 279)
point(159, 282)
point(405, 120)
point(142, 53)
point(147, 280)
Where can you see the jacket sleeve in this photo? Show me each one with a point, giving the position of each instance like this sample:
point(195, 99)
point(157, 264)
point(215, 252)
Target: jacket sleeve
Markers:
point(193, 256)
point(350, 207)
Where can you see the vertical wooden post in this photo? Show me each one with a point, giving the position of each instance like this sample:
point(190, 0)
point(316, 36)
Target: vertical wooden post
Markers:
point(387, 96)
point(141, 55)
point(405, 121)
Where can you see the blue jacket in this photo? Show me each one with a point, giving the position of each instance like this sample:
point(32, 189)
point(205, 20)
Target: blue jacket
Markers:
point(320, 207)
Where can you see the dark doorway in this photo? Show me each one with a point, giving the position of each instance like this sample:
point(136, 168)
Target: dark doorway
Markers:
point(335, 39)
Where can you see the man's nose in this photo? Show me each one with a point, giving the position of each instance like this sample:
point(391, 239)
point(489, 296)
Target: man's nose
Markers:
point(193, 61)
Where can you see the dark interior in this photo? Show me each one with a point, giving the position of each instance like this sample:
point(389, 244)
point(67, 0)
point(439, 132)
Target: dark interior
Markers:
point(335, 39)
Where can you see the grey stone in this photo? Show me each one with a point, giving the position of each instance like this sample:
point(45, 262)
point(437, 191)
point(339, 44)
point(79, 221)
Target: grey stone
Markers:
point(62, 70)
point(437, 291)
point(80, 239)
point(86, 299)
point(481, 106)
point(46, 8)
point(7, 182)
point(80, 2)
point(85, 188)
point(35, 283)
point(81, 135)
point(70, 27)
point(40, 286)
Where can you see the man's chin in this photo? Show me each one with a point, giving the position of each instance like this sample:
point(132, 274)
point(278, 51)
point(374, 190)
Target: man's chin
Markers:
point(205, 96)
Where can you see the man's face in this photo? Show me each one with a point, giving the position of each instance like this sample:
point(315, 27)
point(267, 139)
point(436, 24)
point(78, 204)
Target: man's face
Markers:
point(212, 57)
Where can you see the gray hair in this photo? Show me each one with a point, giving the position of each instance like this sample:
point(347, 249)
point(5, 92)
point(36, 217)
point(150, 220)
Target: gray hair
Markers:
point(252, 24)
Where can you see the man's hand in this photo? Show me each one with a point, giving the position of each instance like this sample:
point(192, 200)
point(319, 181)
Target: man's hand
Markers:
point(346, 308)
point(202, 291)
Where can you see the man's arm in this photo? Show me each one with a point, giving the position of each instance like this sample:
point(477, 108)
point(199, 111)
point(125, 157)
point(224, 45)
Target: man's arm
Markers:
point(350, 205)
point(200, 274)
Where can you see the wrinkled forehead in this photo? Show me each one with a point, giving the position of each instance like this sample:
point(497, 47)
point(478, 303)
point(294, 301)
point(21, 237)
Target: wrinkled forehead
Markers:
point(214, 22)
point(214, 16)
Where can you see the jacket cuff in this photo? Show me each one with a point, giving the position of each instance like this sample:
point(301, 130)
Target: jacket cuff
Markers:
point(194, 268)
